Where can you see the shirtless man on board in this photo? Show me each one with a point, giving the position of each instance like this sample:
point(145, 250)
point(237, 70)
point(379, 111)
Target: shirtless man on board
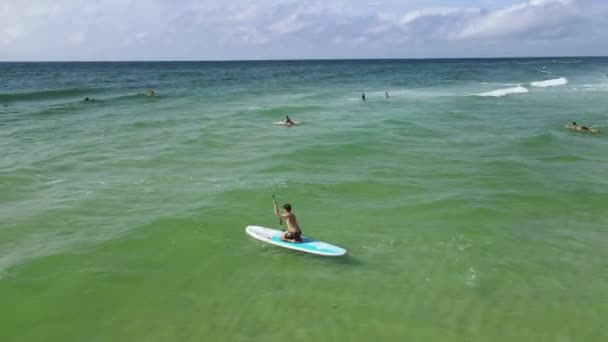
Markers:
point(293, 233)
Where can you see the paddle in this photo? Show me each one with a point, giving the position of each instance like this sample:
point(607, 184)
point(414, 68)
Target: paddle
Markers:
point(275, 203)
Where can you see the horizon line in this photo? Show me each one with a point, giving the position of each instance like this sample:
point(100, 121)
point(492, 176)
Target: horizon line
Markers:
point(294, 59)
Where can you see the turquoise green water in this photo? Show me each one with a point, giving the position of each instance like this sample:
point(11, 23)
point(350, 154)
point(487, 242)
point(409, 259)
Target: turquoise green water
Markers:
point(468, 215)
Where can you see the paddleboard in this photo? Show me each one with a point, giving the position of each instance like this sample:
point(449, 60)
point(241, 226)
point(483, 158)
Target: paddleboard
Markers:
point(307, 245)
point(282, 123)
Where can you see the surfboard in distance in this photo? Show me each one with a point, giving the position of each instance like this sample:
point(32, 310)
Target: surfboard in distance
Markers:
point(308, 245)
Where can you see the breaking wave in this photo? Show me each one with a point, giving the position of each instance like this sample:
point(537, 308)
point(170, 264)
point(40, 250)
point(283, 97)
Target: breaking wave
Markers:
point(504, 92)
point(550, 83)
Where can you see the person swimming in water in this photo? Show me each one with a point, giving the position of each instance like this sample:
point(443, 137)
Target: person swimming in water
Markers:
point(386, 95)
point(362, 96)
point(150, 92)
point(87, 99)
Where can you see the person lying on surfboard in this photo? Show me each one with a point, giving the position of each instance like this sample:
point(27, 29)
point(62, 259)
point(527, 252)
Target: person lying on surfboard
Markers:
point(293, 233)
point(582, 128)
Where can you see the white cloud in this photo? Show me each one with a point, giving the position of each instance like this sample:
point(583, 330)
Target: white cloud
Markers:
point(77, 37)
point(246, 14)
point(287, 25)
point(141, 35)
point(207, 29)
point(412, 16)
point(11, 34)
point(537, 18)
point(546, 2)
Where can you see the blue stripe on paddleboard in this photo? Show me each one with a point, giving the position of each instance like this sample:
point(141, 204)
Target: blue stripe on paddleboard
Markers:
point(306, 246)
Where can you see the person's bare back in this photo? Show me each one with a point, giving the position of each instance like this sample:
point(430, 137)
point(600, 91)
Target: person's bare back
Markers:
point(293, 233)
point(292, 223)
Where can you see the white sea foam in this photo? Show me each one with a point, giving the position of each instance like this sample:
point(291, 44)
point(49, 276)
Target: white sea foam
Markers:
point(550, 83)
point(594, 87)
point(504, 92)
point(55, 181)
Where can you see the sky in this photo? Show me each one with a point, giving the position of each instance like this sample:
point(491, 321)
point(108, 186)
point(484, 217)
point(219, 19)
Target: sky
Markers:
point(41, 30)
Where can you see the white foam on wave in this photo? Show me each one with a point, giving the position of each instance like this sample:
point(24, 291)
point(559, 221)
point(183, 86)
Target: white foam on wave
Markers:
point(594, 87)
point(550, 83)
point(56, 181)
point(504, 92)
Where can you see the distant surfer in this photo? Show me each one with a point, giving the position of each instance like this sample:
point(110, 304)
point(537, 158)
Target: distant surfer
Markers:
point(150, 92)
point(293, 233)
point(362, 96)
point(386, 95)
point(87, 99)
point(288, 121)
point(576, 127)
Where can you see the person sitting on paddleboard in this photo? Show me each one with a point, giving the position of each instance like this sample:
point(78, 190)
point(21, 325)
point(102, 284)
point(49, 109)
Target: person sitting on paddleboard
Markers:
point(288, 121)
point(293, 233)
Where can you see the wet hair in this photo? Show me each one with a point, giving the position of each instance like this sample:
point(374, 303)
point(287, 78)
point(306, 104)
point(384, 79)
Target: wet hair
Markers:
point(287, 207)
point(573, 123)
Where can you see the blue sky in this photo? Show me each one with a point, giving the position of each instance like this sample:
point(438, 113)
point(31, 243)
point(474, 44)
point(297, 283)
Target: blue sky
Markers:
point(279, 29)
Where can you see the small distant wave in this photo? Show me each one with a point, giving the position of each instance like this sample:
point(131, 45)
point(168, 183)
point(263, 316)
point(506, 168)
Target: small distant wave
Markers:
point(55, 181)
point(567, 61)
point(281, 111)
point(594, 87)
point(45, 94)
point(504, 92)
point(537, 140)
point(127, 97)
point(550, 83)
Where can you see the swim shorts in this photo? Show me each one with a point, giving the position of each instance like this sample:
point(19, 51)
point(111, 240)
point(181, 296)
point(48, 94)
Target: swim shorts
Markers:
point(294, 236)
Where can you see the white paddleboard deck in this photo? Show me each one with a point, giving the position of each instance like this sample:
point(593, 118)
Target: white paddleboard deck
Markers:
point(272, 236)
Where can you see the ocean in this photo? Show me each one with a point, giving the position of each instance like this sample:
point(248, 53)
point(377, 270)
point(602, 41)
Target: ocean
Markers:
point(468, 209)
